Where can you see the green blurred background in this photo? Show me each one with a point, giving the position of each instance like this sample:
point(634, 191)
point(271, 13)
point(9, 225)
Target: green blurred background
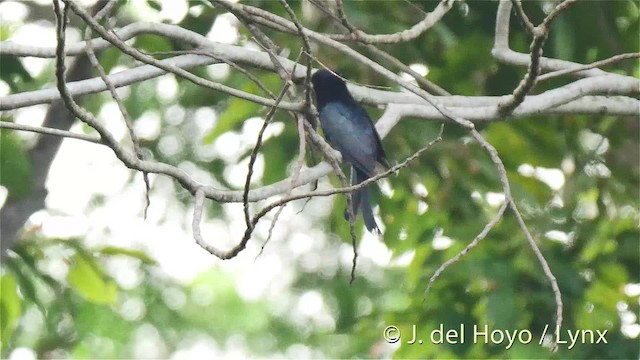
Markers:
point(585, 220)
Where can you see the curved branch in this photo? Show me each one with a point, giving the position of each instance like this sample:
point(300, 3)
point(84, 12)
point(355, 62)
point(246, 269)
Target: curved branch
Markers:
point(540, 34)
point(415, 31)
point(503, 53)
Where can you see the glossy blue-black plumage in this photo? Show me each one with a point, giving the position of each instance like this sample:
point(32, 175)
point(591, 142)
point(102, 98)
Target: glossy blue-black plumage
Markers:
point(349, 129)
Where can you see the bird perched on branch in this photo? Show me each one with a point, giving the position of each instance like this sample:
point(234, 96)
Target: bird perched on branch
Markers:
point(349, 129)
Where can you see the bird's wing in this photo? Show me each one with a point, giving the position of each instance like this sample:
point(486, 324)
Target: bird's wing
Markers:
point(381, 157)
point(351, 131)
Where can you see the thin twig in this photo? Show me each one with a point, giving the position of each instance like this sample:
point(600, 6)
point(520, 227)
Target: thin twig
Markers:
point(225, 255)
point(114, 94)
point(307, 52)
point(540, 34)
point(254, 153)
point(328, 152)
point(529, 81)
point(502, 172)
point(50, 131)
point(593, 65)
point(412, 33)
point(272, 49)
point(136, 54)
point(307, 92)
point(353, 30)
point(260, 15)
point(528, 26)
point(348, 189)
point(428, 85)
point(556, 11)
point(233, 64)
point(503, 53)
point(485, 231)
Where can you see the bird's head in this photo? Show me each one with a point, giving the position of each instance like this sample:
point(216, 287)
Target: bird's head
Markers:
point(324, 77)
point(329, 87)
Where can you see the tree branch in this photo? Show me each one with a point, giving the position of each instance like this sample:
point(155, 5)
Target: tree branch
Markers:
point(412, 33)
point(593, 65)
point(15, 212)
point(503, 53)
point(50, 131)
point(540, 35)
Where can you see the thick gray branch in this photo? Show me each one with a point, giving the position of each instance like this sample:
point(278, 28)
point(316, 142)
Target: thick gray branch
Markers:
point(612, 85)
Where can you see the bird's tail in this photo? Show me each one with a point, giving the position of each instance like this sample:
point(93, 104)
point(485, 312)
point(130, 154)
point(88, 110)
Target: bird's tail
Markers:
point(360, 200)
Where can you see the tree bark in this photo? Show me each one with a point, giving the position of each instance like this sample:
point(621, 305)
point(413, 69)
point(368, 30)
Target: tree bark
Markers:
point(16, 212)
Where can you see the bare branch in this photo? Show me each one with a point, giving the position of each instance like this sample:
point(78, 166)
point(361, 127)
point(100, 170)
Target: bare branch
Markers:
point(50, 131)
point(345, 189)
point(556, 11)
point(254, 154)
point(529, 81)
point(502, 172)
point(412, 33)
point(115, 41)
point(503, 53)
point(550, 100)
point(271, 18)
point(342, 20)
point(114, 94)
point(612, 60)
point(540, 35)
point(96, 85)
point(528, 26)
point(262, 60)
point(237, 54)
point(485, 231)
point(342, 17)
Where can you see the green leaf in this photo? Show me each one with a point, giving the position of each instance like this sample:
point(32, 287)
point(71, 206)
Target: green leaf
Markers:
point(5, 32)
point(152, 43)
point(87, 279)
point(154, 4)
point(25, 282)
point(12, 72)
point(113, 250)
point(109, 58)
point(237, 111)
point(15, 167)
point(10, 306)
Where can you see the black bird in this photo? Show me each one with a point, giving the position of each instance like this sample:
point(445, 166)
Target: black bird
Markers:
point(349, 129)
